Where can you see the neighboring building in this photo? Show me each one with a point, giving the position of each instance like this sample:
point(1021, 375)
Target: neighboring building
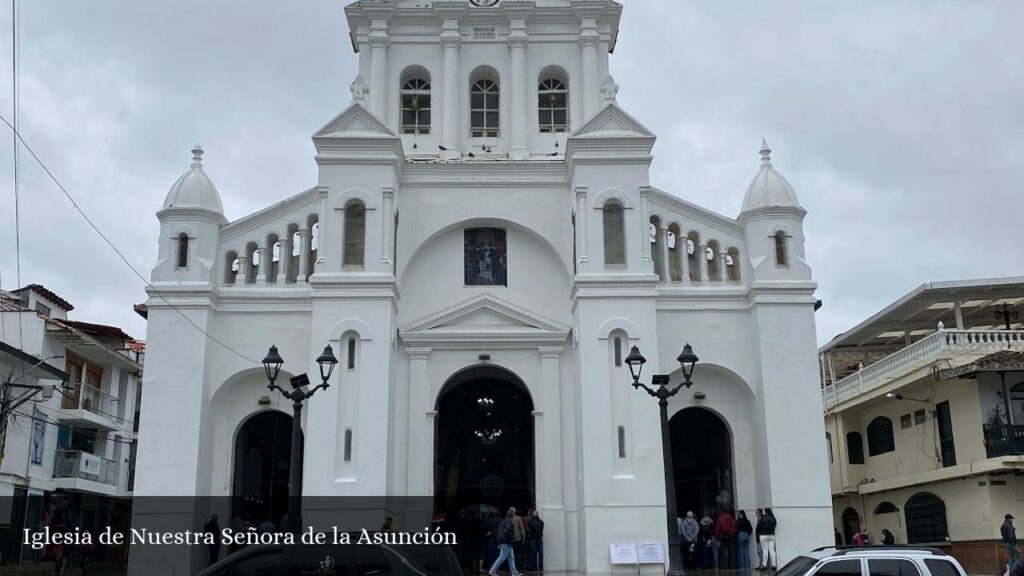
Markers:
point(481, 249)
point(924, 419)
point(68, 449)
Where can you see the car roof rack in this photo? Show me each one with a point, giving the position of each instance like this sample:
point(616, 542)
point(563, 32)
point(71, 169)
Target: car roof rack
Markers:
point(846, 549)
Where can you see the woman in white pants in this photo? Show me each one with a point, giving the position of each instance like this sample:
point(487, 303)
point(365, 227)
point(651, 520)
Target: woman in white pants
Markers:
point(766, 528)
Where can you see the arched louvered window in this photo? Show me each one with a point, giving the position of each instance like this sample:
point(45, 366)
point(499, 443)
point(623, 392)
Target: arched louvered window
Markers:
point(552, 105)
point(714, 262)
point(614, 234)
point(925, 518)
point(230, 267)
point(355, 235)
point(781, 249)
point(880, 436)
point(416, 105)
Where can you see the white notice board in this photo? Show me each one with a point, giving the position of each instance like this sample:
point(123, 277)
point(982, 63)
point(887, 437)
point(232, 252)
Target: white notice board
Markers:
point(650, 553)
point(623, 554)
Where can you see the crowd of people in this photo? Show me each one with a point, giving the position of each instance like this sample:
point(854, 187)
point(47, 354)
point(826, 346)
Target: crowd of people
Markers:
point(489, 540)
point(724, 541)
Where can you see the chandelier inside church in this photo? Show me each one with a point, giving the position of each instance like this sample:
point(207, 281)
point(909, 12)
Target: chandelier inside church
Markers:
point(488, 436)
point(485, 404)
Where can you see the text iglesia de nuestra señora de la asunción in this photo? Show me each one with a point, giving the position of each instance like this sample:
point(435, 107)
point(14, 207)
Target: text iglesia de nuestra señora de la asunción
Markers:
point(482, 247)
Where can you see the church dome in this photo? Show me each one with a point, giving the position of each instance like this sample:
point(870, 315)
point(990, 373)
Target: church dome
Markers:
point(769, 188)
point(195, 189)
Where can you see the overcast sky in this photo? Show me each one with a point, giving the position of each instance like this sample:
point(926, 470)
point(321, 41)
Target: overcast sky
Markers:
point(898, 123)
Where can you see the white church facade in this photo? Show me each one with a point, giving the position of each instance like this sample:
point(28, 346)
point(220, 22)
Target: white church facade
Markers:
point(481, 249)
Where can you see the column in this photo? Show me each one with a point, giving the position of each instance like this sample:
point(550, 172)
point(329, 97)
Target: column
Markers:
point(303, 255)
point(684, 258)
point(549, 455)
point(702, 261)
point(378, 68)
point(243, 268)
point(265, 264)
point(519, 124)
point(420, 423)
point(582, 216)
point(723, 270)
point(285, 260)
point(666, 264)
point(451, 40)
point(588, 52)
point(958, 311)
point(645, 226)
point(387, 224)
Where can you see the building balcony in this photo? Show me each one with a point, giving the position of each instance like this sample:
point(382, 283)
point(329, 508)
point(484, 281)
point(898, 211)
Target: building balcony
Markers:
point(77, 470)
point(962, 345)
point(1005, 440)
point(90, 407)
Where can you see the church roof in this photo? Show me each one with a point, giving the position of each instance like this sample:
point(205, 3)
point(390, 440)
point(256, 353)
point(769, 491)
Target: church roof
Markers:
point(769, 188)
point(194, 189)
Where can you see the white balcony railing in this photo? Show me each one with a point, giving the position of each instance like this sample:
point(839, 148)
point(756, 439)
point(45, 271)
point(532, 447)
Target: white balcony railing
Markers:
point(78, 464)
point(921, 353)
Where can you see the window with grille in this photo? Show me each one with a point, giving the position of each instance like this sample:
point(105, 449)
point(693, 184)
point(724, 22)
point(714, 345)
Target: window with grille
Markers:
point(355, 235)
point(485, 257)
point(880, 436)
point(925, 518)
point(552, 105)
point(905, 422)
point(484, 101)
point(920, 416)
point(614, 235)
point(416, 106)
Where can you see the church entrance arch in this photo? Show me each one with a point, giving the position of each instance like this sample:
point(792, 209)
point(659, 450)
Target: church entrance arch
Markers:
point(702, 462)
point(851, 525)
point(484, 450)
point(263, 451)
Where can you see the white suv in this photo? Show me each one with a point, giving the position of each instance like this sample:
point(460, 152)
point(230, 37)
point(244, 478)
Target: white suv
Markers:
point(873, 561)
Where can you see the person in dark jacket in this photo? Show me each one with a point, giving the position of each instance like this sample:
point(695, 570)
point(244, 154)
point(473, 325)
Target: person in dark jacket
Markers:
point(213, 527)
point(743, 531)
point(887, 538)
point(766, 527)
point(1009, 534)
point(505, 538)
point(535, 542)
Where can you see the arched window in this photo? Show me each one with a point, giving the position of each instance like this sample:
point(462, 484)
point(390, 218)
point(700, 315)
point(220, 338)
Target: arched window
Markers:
point(253, 256)
point(552, 105)
point(294, 248)
point(781, 249)
point(692, 249)
point(675, 262)
point(618, 351)
point(182, 250)
point(925, 518)
point(348, 445)
point(416, 104)
point(351, 353)
point(656, 247)
point(230, 267)
point(355, 235)
point(314, 237)
point(880, 436)
point(714, 262)
point(732, 264)
point(484, 105)
point(614, 234)
point(854, 448)
point(828, 442)
point(275, 258)
point(314, 244)
point(622, 441)
point(885, 508)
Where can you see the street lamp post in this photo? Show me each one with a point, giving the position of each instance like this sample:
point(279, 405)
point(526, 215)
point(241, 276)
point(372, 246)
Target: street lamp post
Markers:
point(660, 389)
point(1007, 313)
point(298, 394)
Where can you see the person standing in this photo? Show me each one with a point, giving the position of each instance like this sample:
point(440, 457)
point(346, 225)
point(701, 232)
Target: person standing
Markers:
point(743, 531)
point(1009, 534)
point(519, 543)
point(505, 538)
point(709, 555)
point(690, 531)
point(766, 526)
point(535, 542)
point(725, 533)
point(887, 538)
point(759, 513)
point(213, 527)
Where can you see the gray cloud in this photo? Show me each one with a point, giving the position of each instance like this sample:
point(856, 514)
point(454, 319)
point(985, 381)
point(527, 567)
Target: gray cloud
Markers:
point(896, 122)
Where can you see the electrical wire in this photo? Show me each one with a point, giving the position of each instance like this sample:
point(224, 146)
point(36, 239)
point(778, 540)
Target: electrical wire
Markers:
point(18, 138)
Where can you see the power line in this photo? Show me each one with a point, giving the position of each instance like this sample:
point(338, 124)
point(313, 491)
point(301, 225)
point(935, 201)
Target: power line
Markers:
point(74, 204)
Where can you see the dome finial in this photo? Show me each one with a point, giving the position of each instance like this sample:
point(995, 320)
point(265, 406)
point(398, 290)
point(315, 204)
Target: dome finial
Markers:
point(766, 153)
point(197, 155)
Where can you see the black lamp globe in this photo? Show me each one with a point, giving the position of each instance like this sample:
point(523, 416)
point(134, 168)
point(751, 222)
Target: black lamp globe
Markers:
point(687, 359)
point(272, 364)
point(327, 362)
point(635, 360)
